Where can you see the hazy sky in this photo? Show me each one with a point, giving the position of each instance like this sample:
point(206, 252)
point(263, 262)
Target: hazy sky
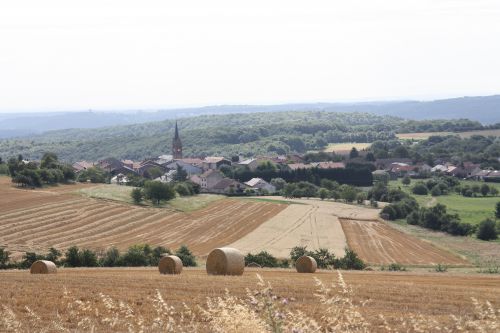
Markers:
point(62, 55)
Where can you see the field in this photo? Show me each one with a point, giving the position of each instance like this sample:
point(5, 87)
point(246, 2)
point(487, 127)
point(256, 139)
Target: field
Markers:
point(122, 194)
point(426, 135)
point(378, 243)
point(345, 148)
point(103, 300)
point(470, 210)
point(326, 224)
point(42, 219)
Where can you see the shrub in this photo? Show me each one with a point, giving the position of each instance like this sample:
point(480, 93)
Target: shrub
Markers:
point(436, 191)
point(88, 258)
point(420, 189)
point(187, 258)
point(263, 259)
point(441, 268)
point(394, 267)
point(183, 189)
point(406, 180)
point(4, 258)
point(137, 195)
point(350, 261)
point(111, 258)
point(323, 193)
point(137, 255)
point(487, 230)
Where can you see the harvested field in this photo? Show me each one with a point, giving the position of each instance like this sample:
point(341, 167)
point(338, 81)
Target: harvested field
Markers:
point(312, 223)
point(63, 220)
point(345, 148)
point(378, 243)
point(76, 297)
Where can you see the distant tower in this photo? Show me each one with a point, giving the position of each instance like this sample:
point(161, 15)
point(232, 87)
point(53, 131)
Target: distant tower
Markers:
point(176, 144)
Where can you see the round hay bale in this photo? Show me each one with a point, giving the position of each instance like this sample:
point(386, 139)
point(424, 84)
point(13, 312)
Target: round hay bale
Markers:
point(225, 261)
point(306, 264)
point(170, 265)
point(43, 267)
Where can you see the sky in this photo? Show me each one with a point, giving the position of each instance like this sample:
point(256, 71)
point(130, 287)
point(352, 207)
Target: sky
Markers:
point(108, 55)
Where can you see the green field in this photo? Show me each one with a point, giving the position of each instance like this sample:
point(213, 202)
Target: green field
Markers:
point(471, 210)
point(122, 194)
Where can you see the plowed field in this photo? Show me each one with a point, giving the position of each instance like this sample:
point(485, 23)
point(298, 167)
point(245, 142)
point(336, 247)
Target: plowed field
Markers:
point(377, 243)
point(35, 222)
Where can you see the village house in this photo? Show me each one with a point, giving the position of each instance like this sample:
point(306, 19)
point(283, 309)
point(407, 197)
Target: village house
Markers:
point(214, 162)
point(227, 186)
point(250, 163)
point(188, 167)
point(82, 165)
point(209, 178)
point(260, 184)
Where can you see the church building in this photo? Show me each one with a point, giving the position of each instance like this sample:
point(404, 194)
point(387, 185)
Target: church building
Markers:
point(176, 145)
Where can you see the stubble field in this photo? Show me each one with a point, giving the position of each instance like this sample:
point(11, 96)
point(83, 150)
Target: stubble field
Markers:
point(79, 299)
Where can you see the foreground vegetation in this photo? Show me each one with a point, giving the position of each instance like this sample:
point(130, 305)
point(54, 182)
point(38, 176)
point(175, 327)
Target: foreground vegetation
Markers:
point(142, 300)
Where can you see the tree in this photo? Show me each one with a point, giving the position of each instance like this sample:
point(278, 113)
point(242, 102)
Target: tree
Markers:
point(53, 255)
point(4, 258)
point(323, 193)
point(420, 189)
point(497, 210)
point(180, 175)
point(487, 230)
point(137, 195)
point(88, 258)
point(157, 192)
point(354, 153)
point(278, 183)
point(370, 157)
point(348, 193)
point(406, 180)
point(485, 189)
point(493, 191)
point(49, 161)
point(186, 256)
point(72, 257)
point(435, 192)
point(111, 258)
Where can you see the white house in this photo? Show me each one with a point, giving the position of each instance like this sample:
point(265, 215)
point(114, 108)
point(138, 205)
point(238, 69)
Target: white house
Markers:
point(260, 184)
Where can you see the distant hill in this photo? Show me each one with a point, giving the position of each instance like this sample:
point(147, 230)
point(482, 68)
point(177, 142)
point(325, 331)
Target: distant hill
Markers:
point(484, 109)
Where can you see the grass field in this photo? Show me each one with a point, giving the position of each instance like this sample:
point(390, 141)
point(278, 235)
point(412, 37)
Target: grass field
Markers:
point(140, 299)
point(470, 210)
point(122, 194)
point(426, 135)
point(342, 148)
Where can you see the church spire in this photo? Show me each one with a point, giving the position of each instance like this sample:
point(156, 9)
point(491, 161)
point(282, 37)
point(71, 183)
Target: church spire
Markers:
point(176, 131)
point(176, 144)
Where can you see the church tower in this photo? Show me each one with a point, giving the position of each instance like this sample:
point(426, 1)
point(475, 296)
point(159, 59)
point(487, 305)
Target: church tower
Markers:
point(176, 144)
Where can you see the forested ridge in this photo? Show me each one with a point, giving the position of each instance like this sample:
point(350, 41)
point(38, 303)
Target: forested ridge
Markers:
point(247, 134)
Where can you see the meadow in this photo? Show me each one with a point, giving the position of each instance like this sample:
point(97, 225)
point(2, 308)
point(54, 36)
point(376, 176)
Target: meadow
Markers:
point(122, 194)
point(471, 210)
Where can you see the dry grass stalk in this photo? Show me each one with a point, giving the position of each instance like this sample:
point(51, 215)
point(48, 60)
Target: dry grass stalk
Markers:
point(170, 265)
point(43, 267)
point(225, 261)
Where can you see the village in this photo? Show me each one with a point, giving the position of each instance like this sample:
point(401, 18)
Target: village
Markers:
point(215, 174)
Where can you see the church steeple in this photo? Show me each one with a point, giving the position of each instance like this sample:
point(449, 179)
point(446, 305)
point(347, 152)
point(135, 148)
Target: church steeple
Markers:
point(176, 144)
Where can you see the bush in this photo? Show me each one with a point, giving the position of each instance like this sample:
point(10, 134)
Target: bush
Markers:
point(183, 189)
point(436, 191)
point(137, 195)
point(441, 268)
point(350, 261)
point(487, 230)
point(420, 189)
point(395, 267)
point(187, 258)
point(263, 259)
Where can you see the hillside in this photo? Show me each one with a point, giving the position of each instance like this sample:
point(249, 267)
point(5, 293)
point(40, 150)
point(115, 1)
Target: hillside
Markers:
point(484, 109)
point(247, 134)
